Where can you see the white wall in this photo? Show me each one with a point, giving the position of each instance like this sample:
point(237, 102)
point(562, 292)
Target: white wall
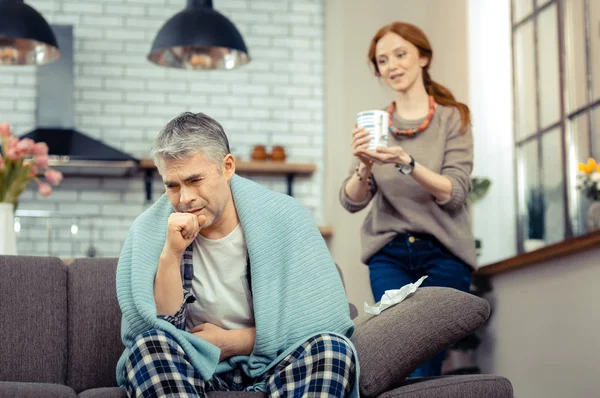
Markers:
point(543, 332)
point(124, 100)
point(490, 95)
point(351, 87)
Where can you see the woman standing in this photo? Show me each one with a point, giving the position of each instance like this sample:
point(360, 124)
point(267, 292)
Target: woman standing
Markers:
point(419, 223)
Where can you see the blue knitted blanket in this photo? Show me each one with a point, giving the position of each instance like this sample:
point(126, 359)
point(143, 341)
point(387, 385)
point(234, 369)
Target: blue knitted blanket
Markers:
point(296, 288)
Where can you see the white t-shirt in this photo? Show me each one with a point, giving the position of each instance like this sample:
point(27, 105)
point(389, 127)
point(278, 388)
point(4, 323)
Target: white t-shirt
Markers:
point(220, 283)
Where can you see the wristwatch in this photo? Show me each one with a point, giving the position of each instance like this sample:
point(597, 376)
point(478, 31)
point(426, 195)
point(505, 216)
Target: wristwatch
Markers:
point(407, 168)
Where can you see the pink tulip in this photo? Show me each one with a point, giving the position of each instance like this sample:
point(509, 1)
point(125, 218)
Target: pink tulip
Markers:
point(54, 177)
point(12, 142)
point(41, 161)
point(45, 190)
point(4, 130)
point(25, 146)
point(13, 154)
point(40, 149)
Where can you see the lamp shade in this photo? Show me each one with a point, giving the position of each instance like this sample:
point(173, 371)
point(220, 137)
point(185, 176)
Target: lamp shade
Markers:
point(25, 36)
point(199, 37)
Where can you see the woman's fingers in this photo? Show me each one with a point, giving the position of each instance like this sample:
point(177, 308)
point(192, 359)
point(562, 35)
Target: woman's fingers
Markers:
point(359, 147)
point(359, 132)
point(363, 140)
point(360, 139)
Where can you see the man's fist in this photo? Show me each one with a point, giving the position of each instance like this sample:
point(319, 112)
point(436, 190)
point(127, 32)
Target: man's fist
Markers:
point(182, 229)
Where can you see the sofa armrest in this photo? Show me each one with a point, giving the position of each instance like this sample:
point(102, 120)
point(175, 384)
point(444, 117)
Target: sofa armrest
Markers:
point(394, 343)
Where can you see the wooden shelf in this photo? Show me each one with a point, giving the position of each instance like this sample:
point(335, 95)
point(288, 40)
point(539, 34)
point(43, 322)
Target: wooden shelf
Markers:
point(265, 168)
point(275, 168)
point(566, 247)
point(288, 170)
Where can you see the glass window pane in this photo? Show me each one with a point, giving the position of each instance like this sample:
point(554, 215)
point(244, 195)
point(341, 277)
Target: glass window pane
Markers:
point(579, 151)
point(575, 60)
point(532, 219)
point(525, 109)
point(594, 14)
point(522, 8)
point(549, 77)
point(552, 180)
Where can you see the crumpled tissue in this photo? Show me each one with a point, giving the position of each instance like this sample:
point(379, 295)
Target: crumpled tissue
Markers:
point(393, 297)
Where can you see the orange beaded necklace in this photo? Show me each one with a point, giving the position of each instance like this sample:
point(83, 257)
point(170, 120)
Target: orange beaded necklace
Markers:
point(410, 132)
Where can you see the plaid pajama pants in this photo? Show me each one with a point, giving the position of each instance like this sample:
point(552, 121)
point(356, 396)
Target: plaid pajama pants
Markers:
point(323, 366)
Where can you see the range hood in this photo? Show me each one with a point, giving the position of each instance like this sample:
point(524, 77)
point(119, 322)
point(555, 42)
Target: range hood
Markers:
point(70, 151)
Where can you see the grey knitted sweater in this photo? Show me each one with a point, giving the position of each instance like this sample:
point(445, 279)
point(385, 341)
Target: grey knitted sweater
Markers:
point(401, 205)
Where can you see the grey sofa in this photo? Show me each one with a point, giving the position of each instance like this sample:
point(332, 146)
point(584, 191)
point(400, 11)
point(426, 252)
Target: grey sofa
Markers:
point(60, 337)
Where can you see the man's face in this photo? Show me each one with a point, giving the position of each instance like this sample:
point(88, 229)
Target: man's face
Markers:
point(196, 185)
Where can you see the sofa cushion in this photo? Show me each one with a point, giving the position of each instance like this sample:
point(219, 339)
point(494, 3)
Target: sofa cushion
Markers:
point(471, 386)
point(94, 324)
point(35, 390)
point(108, 392)
point(394, 343)
point(33, 309)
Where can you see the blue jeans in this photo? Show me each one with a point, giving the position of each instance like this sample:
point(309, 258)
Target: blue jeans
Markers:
point(407, 258)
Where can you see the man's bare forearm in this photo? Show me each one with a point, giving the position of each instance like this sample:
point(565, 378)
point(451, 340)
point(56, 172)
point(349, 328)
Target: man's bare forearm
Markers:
point(239, 342)
point(168, 287)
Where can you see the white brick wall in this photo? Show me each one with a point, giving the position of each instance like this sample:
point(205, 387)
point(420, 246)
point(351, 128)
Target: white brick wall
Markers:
point(122, 99)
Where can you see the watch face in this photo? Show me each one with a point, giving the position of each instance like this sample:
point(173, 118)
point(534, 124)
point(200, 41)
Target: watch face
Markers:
point(406, 168)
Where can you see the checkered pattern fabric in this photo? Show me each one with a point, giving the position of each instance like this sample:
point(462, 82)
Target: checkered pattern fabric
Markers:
point(187, 275)
point(323, 366)
point(157, 367)
point(187, 268)
point(180, 317)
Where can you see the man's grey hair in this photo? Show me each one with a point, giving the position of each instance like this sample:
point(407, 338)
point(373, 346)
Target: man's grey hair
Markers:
point(188, 134)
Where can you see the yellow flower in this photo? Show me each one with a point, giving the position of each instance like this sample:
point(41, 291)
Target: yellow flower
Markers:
point(588, 168)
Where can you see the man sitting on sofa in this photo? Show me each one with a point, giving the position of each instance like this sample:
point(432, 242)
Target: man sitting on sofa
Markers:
point(227, 286)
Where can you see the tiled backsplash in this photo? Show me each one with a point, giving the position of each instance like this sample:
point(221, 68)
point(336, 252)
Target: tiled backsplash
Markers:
point(122, 99)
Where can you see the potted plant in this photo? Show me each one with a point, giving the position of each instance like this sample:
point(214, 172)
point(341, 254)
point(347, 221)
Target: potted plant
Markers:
point(536, 220)
point(481, 186)
point(21, 161)
point(589, 184)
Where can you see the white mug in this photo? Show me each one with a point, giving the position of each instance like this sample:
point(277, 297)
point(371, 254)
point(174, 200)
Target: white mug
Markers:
point(376, 123)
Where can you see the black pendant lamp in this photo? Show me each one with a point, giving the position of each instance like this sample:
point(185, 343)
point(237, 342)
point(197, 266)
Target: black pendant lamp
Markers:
point(25, 36)
point(199, 37)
